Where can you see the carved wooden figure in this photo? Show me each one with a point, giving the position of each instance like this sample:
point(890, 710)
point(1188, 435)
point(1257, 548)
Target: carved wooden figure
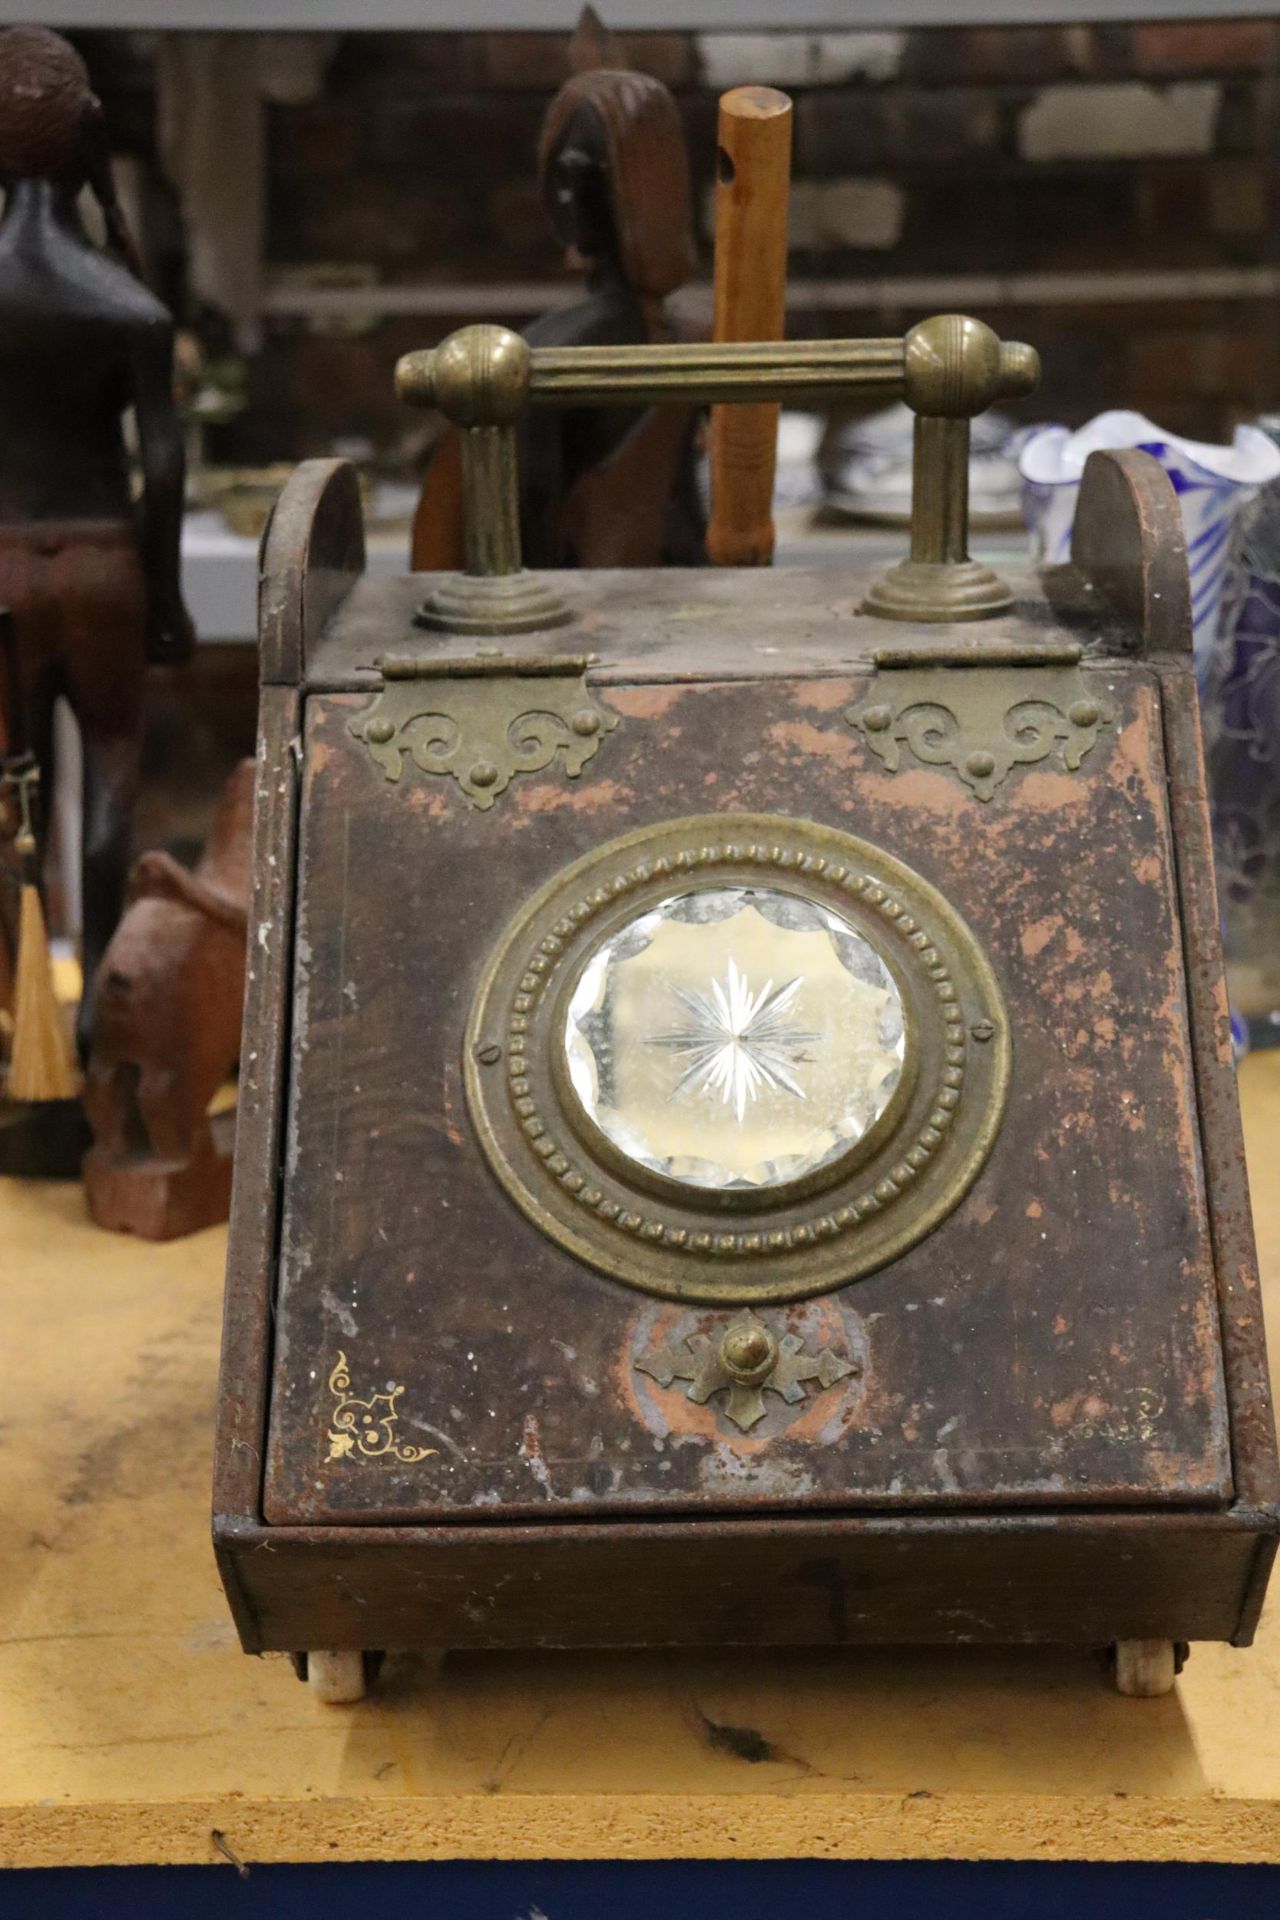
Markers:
point(92, 582)
point(601, 487)
point(43, 1130)
point(166, 1035)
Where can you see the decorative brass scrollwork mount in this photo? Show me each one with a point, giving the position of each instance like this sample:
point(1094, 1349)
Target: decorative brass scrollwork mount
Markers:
point(980, 723)
point(747, 1360)
point(484, 720)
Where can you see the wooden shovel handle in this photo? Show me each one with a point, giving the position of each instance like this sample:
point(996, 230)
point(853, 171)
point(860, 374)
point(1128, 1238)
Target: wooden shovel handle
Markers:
point(753, 169)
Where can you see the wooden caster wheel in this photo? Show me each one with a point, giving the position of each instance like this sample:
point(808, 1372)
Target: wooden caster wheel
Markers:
point(338, 1678)
point(1145, 1669)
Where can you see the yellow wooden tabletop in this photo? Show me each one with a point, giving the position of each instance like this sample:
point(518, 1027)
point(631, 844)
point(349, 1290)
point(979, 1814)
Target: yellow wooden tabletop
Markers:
point(132, 1729)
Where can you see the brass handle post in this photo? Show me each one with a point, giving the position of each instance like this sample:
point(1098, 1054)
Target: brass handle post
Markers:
point(947, 369)
point(954, 368)
point(480, 380)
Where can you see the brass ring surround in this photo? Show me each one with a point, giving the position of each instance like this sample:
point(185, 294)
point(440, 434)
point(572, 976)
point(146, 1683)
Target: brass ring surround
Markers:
point(858, 1213)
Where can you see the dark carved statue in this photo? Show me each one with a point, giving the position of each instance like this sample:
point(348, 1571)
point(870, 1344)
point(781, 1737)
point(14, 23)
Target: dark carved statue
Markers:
point(602, 487)
point(615, 184)
point(90, 578)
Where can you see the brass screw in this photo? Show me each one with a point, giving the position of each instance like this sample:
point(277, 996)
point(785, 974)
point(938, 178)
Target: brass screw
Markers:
point(982, 1029)
point(489, 1054)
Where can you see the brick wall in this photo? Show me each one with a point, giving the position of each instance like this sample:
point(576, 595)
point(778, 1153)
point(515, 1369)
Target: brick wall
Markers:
point(1048, 162)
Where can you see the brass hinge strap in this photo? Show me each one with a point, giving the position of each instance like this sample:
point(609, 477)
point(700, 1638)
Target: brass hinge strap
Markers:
point(1008, 653)
point(483, 666)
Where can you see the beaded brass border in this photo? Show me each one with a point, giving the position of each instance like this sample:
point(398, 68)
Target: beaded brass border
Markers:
point(678, 1248)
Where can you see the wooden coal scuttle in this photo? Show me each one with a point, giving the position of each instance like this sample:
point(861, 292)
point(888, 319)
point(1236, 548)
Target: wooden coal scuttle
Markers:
point(738, 1136)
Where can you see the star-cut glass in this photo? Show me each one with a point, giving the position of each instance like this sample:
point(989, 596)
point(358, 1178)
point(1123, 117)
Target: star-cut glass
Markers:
point(735, 1037)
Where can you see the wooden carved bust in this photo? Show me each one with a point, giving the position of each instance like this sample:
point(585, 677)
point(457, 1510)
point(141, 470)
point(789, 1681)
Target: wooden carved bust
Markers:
point(602, 487)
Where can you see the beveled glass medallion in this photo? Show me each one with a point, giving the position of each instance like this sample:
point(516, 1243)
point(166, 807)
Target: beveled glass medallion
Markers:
point(735, 1037)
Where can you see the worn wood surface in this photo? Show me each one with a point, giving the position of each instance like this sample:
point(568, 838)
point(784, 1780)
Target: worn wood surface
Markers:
point(89, 574)
point(260, 1102)
point(132, 1728)
point(1257, 1478)
point(716, 623)
point(1030, 1580)
point(1054, 1342)
point(804, 619)
point(1129, 539)
point(312, 553)
point(599, 487)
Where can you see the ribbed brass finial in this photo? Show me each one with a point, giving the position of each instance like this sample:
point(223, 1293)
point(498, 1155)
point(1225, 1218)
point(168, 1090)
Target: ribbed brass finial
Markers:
point(477, 377)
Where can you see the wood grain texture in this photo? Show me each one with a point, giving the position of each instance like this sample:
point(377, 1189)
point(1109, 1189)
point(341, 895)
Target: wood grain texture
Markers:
point(1257, 1473)
point(263, 1064)
point(666, 623)
point(1097, 1284)
point(312, 554)
point(1129, 541)
point(166, 1034)
point(132, 1726)
point(1096, 1287)
point(753, 193)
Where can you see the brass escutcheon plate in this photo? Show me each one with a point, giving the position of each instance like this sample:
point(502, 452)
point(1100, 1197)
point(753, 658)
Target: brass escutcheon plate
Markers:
point(890, 1188)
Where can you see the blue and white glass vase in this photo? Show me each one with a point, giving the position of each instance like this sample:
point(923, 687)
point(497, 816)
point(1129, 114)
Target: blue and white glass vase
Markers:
point(1213, 485)
point(1241, 707)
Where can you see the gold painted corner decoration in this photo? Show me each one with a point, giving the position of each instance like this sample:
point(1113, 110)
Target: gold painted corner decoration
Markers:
point(746, 1361)
point(982, 721)
point(365, 1429)
point(484, 719)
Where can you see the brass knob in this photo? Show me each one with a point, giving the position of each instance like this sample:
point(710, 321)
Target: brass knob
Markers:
point(957, 367)
point(477, 377)
point(748, 1352)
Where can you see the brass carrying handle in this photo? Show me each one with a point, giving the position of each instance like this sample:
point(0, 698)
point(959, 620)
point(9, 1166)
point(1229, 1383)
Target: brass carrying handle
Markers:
point(950, 366)
point(946, 369)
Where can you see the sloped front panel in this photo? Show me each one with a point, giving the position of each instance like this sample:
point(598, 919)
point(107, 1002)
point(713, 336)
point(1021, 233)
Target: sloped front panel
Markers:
point(1054, 1341)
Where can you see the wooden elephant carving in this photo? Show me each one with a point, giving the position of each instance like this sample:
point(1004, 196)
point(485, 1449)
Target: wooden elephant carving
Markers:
point(166, 1035)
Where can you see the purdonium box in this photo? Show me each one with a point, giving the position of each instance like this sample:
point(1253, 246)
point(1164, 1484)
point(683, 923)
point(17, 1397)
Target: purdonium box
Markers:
point(738, 1136)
